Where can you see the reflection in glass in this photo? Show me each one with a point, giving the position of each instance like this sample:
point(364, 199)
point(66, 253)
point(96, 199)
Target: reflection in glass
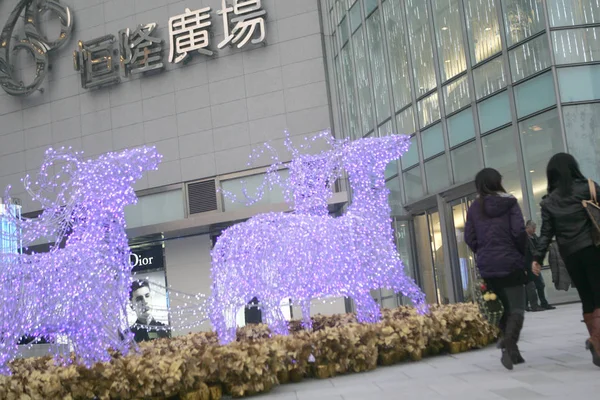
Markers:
point(344, 31)
point(461, 127)
point(456, 95)
point(370, 5)
point(386, 129)
point(395, 198)
point(465, 256)
point(413, 184)
point(380, 82)
point(405, 120)
point(465, 162)
point(448, 33)
point(429, 110)
point(439, 265)
point(483, 30)
point(573, 12)
point(530, 58)
point(411, 157)
point(579, 83)
point(405, 250)
point(419, 34)
point(341, 95)
point(436, 171)
point(582, 124)
point(355, 17)
point(494, 112)
point(394, 25)
point(432, 140)
point(535, 94)
point(349, 86)
point(576, 45)
point(541, 139)
point(522, 19)
point(365, 97)
point(425, 257)
point(499, 153)
point(489, 78)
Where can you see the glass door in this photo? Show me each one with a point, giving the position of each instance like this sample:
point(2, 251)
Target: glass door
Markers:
point(466, 259)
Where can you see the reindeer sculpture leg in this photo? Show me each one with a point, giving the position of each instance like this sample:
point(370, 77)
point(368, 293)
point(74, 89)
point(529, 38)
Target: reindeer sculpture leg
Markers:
point(367, 309)
point(8, 352)
point(274, 317)
point(306, 319)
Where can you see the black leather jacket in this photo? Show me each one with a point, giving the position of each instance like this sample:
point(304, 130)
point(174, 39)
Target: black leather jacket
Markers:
point(565, 218)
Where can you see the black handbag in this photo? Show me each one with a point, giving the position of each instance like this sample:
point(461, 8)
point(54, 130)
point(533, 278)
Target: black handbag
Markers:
point(593, 210)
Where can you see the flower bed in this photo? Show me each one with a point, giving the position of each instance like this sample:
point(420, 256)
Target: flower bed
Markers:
point(195, 367)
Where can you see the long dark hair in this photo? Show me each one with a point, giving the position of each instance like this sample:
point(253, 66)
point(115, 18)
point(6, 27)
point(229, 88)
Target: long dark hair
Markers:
point(562, 171)
point(488, 182)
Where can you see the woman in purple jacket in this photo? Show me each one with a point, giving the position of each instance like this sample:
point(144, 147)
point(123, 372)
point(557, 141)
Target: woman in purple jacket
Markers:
point(495, 232)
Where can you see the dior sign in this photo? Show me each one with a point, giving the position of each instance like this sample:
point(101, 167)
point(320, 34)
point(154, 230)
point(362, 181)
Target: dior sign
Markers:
point(149, 258)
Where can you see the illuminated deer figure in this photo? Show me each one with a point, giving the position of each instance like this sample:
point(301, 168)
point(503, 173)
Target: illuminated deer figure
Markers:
point(80, 288)
point(304, 256)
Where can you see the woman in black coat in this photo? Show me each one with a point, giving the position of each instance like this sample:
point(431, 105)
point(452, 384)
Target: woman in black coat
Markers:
point(564, 216)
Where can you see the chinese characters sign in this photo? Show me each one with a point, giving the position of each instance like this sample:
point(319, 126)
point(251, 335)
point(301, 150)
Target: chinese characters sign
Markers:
point(189, 33)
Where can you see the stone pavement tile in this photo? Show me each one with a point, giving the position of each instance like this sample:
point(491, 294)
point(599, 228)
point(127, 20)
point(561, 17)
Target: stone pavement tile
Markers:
point(517, 394)
point(362, 388)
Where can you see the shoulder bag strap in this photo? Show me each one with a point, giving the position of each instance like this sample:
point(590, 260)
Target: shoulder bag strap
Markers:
point(592, 186)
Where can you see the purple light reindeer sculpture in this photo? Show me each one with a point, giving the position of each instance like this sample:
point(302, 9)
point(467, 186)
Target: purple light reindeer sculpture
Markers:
point(309, 254)
point(80, 288)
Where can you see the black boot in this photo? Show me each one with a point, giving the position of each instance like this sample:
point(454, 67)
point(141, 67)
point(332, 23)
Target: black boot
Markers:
point(510, 353)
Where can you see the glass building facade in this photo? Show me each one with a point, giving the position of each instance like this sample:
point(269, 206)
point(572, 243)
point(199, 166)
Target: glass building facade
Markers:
point(496, 83)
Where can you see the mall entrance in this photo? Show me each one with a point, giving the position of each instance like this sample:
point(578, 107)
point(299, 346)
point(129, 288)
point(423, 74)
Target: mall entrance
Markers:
point(444, 266)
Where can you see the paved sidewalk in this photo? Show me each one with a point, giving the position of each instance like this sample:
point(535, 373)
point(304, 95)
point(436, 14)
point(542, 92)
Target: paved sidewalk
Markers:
point(552, 342)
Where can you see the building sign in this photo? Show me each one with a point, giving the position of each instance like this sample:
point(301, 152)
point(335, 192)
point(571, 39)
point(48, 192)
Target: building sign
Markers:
point(34, 42)
point(105, 60)
point(189, 34)
point(147, 258)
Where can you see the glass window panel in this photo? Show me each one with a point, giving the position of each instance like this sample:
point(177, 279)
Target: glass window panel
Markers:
point(579, 83)
point(489, 78)
point(251, 183)
point(341, 95)
point(461, 127)
point(355, 17)
point(349, 89)
point(530, 58)
point(432, 140)
point(494, 112)
point(386, 129)
point(405, 121)
point(344, 32)
point(465, 162)
point(573, 12)
point(362, 79)
point(456, 95)
point(499, 152)
point(391, 169)
point(448, 33)
point(411, 157)
point(541, 138)
point(144, 212)
point(535, 94)
point(370, 5)
point(395, 197)
point(483, 30)
point(419, 34)
point(576, 45)
point(522, 19)
point(429, 110)
point(436, 172)
point(380, 82)
point(394, 24)
point(582, 124)
point(413, 184)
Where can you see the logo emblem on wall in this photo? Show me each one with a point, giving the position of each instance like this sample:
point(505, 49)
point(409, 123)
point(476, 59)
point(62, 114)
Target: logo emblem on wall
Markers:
point(34, 42)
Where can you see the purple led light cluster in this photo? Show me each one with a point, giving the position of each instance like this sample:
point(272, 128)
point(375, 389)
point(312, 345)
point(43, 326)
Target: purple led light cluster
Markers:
point(80, 288)
point(308, 254)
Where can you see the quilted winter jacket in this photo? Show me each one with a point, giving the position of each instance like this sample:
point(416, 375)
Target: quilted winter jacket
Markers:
point(498, 237)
